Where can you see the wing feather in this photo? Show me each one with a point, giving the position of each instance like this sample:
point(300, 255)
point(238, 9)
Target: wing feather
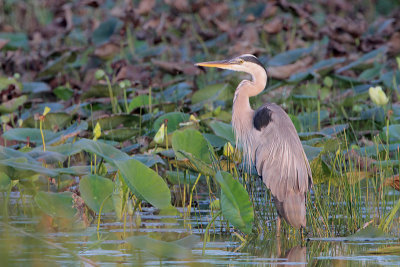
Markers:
point(280, 157)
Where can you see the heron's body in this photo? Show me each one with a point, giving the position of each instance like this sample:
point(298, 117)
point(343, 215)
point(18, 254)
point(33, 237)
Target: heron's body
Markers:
point(270, 141)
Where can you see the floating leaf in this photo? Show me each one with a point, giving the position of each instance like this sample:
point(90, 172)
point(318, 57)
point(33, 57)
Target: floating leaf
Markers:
point(120, 135)
point(174, 118)
point(94, 190)
point(394, 133)
point(52, 121)
point(113, 121)
point(48, 157)
point(149, 159)
point(145, 183)
point(106, 151)
point(56, 204)
point(105, 30)
point(102, 90)
point(369, 233)
point(34, 135)
point(191, 141)
point(18, 168)
point(235, 202)
point(213, 92)
point(57, 65)
point(35, 87)
point(139, 101)
point(312, 152)
point(13, 104)
point(223, 130)
point(391, 250)
point(363, 59)
point(63, 92)
point(214, 140)
point(290, 56)
point(160, 248)
point(15, 40)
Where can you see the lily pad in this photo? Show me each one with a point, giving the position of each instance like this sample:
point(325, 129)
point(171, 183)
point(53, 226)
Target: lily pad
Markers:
point(363, 59)
point(52, 121)
point(139, 101)
point(218, 91)
point(113, 121)
point(223, 130)
point(369, 233)
point(18, 168)
point(290, 56)
point(35, 87)
point(94, 190)
point(16, 40)
point(13, 104)
point(191, 141)
point(174, 118)
point(120, 135)
point(57, 65)
point(105, 30)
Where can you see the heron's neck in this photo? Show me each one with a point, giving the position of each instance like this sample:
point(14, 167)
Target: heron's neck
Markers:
point(259, 81)
point(242, 113)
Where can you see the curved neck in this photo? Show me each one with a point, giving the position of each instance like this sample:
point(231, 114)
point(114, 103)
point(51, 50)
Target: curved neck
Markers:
point(242, 113)
point(259, 81)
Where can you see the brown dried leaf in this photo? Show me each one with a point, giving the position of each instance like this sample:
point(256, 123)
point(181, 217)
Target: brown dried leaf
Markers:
point(274, 26)
point(393, 181)
point(136, 74)
point(180, 5)
point(284, 72)
point(394, 43)
point(107, 50)
point(145, 6)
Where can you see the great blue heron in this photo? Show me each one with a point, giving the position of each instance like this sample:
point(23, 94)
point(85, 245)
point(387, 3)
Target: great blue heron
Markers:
point(270, 141)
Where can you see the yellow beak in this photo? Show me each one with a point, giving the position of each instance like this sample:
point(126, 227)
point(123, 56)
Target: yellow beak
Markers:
point(215, 64)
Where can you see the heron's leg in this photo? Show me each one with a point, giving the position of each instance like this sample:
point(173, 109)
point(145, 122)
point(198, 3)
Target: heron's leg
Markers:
point(278, 226)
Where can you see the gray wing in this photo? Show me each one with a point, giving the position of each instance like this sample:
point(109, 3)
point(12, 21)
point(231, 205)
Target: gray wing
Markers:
point(279, 156)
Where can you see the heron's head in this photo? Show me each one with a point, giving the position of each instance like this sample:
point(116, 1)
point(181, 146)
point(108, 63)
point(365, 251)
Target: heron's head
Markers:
point(245, 63)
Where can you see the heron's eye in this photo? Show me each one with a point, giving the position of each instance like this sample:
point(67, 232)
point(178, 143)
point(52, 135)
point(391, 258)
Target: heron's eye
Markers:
point(241, 61)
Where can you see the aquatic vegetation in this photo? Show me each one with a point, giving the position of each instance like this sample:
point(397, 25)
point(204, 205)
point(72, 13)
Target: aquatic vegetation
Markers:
point(106, 124)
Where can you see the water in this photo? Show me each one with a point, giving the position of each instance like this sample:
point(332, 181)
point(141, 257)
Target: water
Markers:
point(29, 242)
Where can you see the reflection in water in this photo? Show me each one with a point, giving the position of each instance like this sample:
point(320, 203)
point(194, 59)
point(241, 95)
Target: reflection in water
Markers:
point(109, 247)
point(297, 254)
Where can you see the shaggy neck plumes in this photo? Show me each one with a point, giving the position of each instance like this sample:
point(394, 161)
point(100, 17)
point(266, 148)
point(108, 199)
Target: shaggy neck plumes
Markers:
point(242, 113)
